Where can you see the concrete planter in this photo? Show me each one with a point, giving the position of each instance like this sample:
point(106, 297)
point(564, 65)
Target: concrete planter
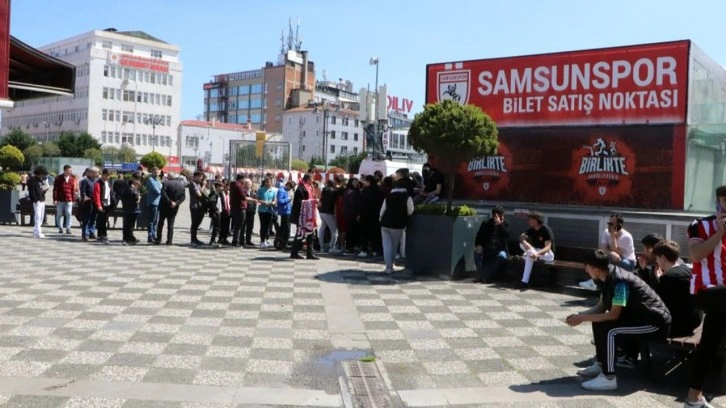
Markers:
point(8, 203)
point(441, 246)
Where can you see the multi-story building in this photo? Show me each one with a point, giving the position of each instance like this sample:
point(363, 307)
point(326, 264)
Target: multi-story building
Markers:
point(304, 127)
point(208, 141)
point(127, 91)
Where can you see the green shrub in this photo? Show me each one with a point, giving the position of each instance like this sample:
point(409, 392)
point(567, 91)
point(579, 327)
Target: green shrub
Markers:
point(11, 157)
point(153, 159)
point(440, 209)
point(9, 180)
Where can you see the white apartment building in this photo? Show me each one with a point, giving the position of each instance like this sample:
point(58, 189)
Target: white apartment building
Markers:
point(304, 128)
point(209, 141)
point(128, 91)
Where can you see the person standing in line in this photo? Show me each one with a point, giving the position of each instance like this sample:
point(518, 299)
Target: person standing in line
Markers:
point(224, 216)
point(88, 223)
point(103, 203)
point(251, 211)
point(118, 186)
point(328, 197)
point(65, 189)
point(351, 206)
point(267, 198)
point(707, 250)
point(36, 191)
point(538, 242)
point(131, 200)
point(304, 215)
point(153, 197)
point(238, 209)
point(396, 209)
point(196, 205)
point(214, 208)
point(371, 199)
point(284, 208)
point(172, 195)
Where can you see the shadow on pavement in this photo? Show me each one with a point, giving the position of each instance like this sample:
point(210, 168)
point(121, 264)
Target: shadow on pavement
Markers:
point(358, 277)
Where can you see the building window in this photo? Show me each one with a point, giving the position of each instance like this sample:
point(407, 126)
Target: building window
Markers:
point(105, 93)
point(332, 134)
point(138, 139)
point(256, 88)
point(104, 115)
point(146, 97)
point(105, 70)
point(168, 100)
point(127, 48)
point(256, 118)
point(355, 123)
point(128, 117)
point(103, 137)
point(332, 148)
point(127, 138)
point(243, 90)
point(139, 97)
point(255, 103)
point(345, 121)
point(156, 54)
point(344, 150)
point(303, 146)
point(332, 120)
point(355, 137)
point(355, 150)
point(343, 135)
point(106, 45)
point(129, 96)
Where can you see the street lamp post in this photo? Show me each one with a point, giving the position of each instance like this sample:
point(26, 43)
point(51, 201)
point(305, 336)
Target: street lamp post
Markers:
point(153, 121)
point(47, 130)
point(326, 106)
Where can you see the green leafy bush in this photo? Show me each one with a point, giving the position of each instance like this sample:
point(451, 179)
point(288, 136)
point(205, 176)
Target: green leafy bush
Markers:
point(440, 209)
point(9, 180)
point(11, 157)
point(153, 159)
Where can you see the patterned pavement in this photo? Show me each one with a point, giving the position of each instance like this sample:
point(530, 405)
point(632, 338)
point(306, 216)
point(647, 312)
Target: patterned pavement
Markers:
point(88, 325)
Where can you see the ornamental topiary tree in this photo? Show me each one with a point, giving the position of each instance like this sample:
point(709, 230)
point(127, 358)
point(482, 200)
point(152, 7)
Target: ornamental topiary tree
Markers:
point(153, 159)
point(9, 180)
point(11, 158)
point(451, 134)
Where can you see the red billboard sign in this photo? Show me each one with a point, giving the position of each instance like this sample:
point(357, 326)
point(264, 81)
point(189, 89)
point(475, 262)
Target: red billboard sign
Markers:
point(626, 85)
point(624, 166)
point(133, 61)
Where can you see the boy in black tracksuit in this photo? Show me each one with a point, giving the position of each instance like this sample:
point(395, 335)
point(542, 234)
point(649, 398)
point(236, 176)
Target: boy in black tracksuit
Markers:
point(214, 206)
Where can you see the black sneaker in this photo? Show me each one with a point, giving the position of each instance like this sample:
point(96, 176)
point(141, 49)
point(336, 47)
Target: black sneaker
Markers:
point(626, 362)
point(522, 285)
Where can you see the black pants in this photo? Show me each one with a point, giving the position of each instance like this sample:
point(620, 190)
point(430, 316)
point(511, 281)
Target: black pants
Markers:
point(283, 234)
point(224, 223)
point(102, 222)
point(606, 334)
point(265, 225)
point(298, 243)
point(249, 226)
point(129, 222)
point(274, 224)
point(238, 222)
point(352, 233)
point(370, 233)
point(713, 303)
point(169, 214)
point(214, 217)
point(197, 218)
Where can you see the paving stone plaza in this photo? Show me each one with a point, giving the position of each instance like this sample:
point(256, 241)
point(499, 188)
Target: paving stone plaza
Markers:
point(91, 325)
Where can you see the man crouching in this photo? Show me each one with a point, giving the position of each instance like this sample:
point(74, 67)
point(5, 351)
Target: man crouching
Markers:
point(627, 307)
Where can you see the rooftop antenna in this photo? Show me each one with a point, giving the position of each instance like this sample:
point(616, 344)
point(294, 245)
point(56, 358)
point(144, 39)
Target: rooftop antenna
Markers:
point(290, 39)
point(298, 37)
point(282, 40)
point(325, 75)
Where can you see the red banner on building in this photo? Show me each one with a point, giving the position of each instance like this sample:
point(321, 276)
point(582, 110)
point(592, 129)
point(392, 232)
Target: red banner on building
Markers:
point(627, 166)
point(625, 85)
point(133, 61)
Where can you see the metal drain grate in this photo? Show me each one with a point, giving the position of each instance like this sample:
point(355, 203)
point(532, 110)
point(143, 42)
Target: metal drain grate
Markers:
point(365, 385)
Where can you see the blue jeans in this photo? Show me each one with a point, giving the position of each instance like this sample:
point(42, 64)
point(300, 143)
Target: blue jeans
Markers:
point(489, 265)
point(88, 225)
point(64, 211)
point(627, 264)
point(153, 222)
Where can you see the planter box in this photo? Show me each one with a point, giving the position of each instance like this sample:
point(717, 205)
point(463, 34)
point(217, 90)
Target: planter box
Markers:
point(8, 204)
point(441, 246)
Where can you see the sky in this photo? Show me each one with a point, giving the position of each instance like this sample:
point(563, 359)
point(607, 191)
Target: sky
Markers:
point(221, 36)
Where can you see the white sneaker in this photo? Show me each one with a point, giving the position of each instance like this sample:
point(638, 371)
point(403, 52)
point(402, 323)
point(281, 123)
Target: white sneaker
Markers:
point(398, 268)
point(263, 245)
point(701, 403)
point(362, 254)
point(589, 285)
point(601, 383)
point(39, 236)
point(593, 371)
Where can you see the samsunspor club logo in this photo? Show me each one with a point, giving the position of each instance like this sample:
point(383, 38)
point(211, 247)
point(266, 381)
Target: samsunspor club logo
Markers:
point(491, 173)
point(603, 168)
point(454, 83)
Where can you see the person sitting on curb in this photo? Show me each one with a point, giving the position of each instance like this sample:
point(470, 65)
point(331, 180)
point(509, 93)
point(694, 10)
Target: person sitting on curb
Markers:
point(538, 242)
point(627, 307)
point(490, 246)
point(619, 244)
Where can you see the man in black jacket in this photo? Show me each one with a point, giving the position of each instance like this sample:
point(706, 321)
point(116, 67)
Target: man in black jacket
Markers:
point(674, 287)
point(490, 246)
point(302, 193)
point(36, 192)
point(172, 195)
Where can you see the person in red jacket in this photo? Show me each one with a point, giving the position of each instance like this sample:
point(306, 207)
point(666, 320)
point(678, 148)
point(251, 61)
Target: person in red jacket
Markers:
point(65, 189)
point(103, 201)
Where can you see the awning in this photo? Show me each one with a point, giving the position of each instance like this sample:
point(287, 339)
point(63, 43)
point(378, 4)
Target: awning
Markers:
point(34, 74)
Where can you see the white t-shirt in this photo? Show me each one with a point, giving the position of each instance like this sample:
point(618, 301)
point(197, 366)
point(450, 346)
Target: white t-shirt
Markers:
point(625, 243)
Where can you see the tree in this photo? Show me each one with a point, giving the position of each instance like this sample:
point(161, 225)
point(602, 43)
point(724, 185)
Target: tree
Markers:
point(51, 149)
point(11, 157)
point(299, 165)
point(126, 154)
point(349, 162)
point(110, 153)
point(451, 134)
point(153, 159)
point(75, 145)
point(32, 154)
point(17, 138)
point(316, 161)
point(94, 154)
